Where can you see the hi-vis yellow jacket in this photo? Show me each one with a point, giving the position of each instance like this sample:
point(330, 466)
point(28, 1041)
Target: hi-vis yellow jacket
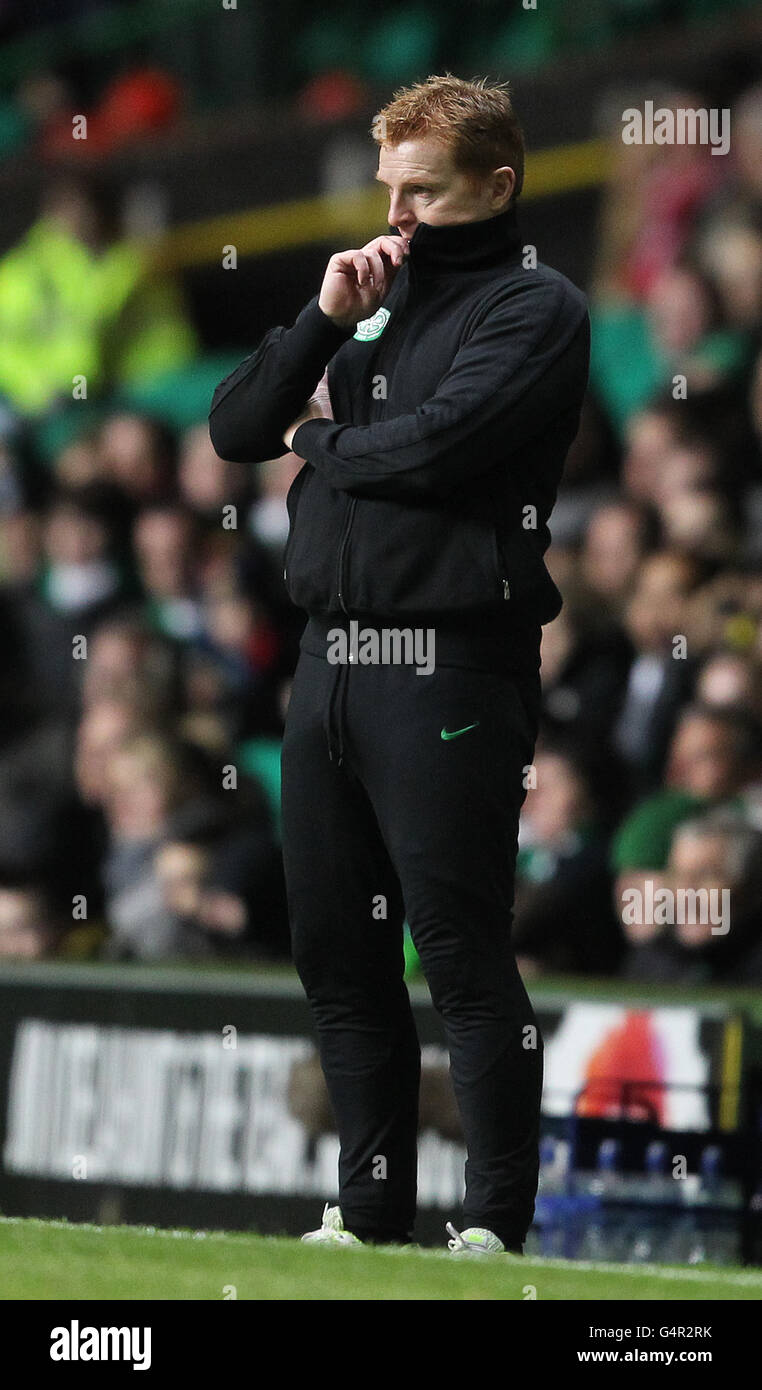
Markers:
point(66, 313)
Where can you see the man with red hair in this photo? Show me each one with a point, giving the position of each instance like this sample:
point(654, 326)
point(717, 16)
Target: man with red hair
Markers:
point(456, 368)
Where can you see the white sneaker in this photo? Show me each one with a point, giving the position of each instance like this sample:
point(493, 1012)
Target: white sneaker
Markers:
point(332, 1230)
point(475, 1241)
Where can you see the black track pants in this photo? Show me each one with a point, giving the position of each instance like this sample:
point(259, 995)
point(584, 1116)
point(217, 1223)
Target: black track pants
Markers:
point(384, 818)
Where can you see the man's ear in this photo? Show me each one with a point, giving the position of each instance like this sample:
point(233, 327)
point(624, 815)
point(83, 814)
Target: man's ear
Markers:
point(503, 184)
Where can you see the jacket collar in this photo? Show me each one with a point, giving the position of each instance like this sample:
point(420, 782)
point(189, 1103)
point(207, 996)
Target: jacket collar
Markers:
point(465, 245)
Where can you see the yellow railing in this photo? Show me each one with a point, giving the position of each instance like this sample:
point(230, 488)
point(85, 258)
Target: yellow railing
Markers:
point(358, 214)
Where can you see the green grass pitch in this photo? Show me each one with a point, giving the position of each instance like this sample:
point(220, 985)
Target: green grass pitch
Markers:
point(58, 1260)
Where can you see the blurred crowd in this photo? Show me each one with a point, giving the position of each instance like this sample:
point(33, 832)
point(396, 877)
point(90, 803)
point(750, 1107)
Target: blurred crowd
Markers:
point(649, 767)
point(147, 648)
point(147, 634)
point(150, 643)
point(142, 69)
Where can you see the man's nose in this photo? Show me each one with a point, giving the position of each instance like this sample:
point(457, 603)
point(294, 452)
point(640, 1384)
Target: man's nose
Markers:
point(399, 213)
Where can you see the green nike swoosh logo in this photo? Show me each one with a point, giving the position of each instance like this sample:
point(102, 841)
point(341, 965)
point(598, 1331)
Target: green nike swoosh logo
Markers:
point(457, 732)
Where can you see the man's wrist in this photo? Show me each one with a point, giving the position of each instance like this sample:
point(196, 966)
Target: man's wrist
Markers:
point(303, 424)
point(342, 324)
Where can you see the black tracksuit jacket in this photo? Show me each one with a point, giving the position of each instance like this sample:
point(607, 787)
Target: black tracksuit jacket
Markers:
point(427, 498)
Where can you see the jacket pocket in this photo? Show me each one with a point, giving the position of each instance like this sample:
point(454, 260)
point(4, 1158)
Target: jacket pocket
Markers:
point(426, 559)
point(317, 514)
point(292, 504)
point(501, 569)
point(525, 581)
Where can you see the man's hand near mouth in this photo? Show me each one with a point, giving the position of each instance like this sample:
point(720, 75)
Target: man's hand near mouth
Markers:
point(356, 283)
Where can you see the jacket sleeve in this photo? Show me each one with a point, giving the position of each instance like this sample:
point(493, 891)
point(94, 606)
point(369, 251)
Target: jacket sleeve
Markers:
point(507, 383)
point(254, 406)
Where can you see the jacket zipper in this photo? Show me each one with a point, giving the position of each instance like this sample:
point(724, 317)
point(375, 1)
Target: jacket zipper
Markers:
point(342, 550)
point(340, 568)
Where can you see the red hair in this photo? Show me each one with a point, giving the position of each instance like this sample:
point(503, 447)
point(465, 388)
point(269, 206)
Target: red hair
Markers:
point(476, 122)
